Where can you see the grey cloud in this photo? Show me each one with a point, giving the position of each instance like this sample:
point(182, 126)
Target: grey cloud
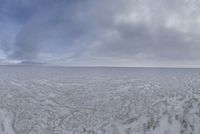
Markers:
point(61, 27)
point(78, 31)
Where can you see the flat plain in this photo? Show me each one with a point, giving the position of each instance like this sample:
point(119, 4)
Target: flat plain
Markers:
point(98, 100)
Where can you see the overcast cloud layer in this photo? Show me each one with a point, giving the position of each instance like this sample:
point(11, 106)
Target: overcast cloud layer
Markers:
point(101, 32)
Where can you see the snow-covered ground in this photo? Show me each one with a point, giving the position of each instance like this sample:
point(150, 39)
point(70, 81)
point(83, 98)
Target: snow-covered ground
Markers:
point(50, 100)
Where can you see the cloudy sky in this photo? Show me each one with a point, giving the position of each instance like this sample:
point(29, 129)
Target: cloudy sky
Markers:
point(101, 32)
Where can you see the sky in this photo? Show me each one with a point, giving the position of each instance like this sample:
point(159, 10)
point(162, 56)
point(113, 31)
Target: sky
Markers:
point(156, 33)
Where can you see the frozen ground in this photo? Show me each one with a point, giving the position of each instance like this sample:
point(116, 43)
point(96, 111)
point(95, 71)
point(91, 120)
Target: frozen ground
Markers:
point(46, 100)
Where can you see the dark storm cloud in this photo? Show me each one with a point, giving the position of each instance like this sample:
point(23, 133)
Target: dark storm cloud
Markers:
point(106, 32)
point(138, 38)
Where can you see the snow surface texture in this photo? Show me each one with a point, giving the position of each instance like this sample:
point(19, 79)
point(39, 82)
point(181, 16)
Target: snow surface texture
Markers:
point(99, 101)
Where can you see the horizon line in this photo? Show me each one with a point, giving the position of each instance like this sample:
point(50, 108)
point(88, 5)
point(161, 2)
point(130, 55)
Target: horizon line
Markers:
point(99, 66)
